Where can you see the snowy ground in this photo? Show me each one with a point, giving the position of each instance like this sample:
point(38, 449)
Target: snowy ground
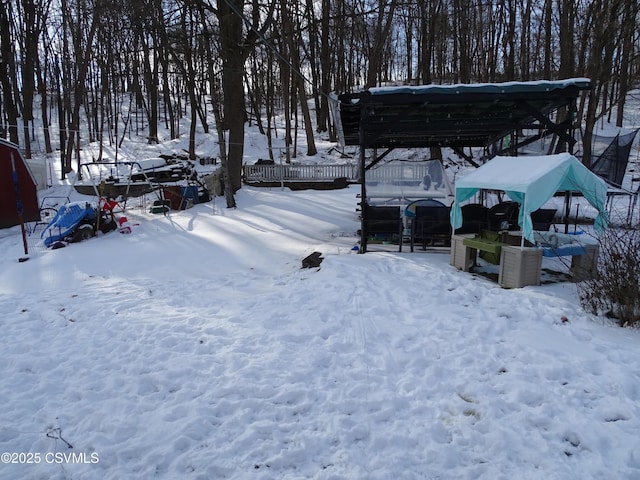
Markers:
point(197, 348)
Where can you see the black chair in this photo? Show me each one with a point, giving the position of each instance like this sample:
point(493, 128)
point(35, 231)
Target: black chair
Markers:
point(410, 210)
point(381, 220)
point(504, 216)
point(475, 217)
point(431, 225)
point(542, 218)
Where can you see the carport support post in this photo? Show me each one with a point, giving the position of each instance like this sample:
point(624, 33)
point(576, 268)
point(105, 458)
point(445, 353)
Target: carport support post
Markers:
point(567, 210)
point(570, 142)
point(363, 198)
point(524, 207)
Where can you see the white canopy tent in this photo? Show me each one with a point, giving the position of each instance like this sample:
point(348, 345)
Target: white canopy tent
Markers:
point(532, 181)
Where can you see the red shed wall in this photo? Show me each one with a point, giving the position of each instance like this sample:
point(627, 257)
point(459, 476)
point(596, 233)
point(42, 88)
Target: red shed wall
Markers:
point(26, 186)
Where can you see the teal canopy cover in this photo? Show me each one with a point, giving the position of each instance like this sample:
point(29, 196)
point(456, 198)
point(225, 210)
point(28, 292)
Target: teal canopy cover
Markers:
point(532, 181)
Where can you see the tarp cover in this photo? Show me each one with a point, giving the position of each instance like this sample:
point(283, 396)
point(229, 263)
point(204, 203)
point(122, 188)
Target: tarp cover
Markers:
point(488, 88)
point(460, 115)
point(532, 181)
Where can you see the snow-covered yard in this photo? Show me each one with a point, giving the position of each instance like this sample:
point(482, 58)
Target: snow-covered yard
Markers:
point(197, 348)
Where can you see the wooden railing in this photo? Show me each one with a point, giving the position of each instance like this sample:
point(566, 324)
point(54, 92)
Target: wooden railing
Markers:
point(276, 173)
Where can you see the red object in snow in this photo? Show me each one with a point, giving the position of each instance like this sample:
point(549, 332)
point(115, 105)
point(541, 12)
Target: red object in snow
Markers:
point(108, 205)
point(123, 225)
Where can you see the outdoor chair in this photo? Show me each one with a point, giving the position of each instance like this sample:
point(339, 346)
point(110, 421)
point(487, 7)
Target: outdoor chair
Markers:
point(475, 217)
point(542, 218)
point(504, 216)
point(385, 221)
point(410, 210)
point(431, 225)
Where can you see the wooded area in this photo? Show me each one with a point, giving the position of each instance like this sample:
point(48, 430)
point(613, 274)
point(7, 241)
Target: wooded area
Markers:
point(105, 69)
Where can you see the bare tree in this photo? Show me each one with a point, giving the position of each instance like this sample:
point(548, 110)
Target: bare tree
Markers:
point(298, 79)
point(461, 41)
point(631, 11)
point(102, 70)
point(567, 54)
point(32, 23)
point(82, 34)
point(144, 21)
point(430, 32)
point(235, 46)
point(382, 27)
point(548, 36)
point(8, 72)
point(604, 16)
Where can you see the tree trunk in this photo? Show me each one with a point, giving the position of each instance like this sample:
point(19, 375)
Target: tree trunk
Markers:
point(44, 104)
point(325, 67)
point(548, 12)
point(629, 24)
point(82, 56)
point(8, 74)
point(228, 193)
point(233, 57)
point(600, 66)
point(285, 79)
point(298, 83)
point(567, 51)
point(461, 41)
point(380, 35)
point(150, 76)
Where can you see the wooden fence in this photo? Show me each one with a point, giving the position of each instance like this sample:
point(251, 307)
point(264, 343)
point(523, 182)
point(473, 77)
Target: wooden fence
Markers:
point(299, 173)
